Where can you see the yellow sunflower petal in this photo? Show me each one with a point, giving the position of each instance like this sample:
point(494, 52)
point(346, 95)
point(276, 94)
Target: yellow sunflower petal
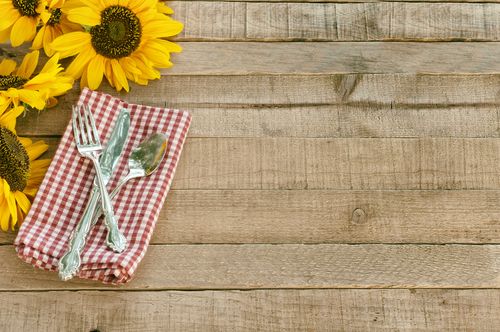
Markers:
point(4, 213)
point(139, 6)
point(45, 16)
point(32, 98)
point(68, 5)
point(52, 102)
point(130, 69)
point(10, 200)
point(108, 72)
point(39, 167)
point(85, 16)
point(5, 35)
point(162, 8)
point(95, 72)
point(38, 41)
point(171, 47)
point(142, 81)
point(71, 43)
point(28, 65)
point(157, 53)
point(22, 201)
point(119, 74)
point(7, 67)
point(84, 82)
point(48, 38)
point(67, 26)
point(36, 150)
point(20, 217)
point(23, 30)
point(25, 141)
point(77, 67)
point(62, 84)
point(9, 17)
point(56, 4)
point(147, 15)
point(162, 27)
point(109, 3)
point(52, 65)
point(8, 119)
point(146, 67)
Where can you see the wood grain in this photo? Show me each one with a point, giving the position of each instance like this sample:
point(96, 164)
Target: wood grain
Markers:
point(255, 310)
point(279, 266)
point(244, 58)
point(327, 106)
point(386, 21)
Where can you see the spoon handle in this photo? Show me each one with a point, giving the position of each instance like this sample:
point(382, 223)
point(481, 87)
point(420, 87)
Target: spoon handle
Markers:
point(98, 211)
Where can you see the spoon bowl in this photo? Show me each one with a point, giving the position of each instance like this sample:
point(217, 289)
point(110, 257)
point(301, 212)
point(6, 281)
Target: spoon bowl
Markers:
point(143, 161)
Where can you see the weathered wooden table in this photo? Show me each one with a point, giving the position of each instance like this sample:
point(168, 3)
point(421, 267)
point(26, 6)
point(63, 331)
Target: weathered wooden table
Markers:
point(342, 173)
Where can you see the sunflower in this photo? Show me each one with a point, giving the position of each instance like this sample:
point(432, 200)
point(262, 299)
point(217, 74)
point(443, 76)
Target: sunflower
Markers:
point(20, 175)
point(121, 42)
point(55, 25)
point(16, 86)
point(19, 19)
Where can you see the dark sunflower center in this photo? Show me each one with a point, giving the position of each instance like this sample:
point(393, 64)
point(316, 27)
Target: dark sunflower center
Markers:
point(14, 160)
point(119, 33)
point(26, 7)
point(55, 17)
point(12, 81)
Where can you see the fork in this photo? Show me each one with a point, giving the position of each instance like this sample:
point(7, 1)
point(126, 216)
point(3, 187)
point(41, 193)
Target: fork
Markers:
point(88, 145)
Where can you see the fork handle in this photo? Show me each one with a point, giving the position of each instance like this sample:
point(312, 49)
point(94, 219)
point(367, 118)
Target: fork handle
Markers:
point(115, 239)
point(69, 264)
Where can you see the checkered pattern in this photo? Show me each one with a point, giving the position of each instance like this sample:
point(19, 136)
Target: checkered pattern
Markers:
point(62, 197)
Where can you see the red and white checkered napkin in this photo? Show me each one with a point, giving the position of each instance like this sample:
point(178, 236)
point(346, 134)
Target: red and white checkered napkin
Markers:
point(63, 195)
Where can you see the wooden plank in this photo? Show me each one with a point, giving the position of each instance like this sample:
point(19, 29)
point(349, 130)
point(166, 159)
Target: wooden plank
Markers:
point(336, 164)
point(243, 58)
point(355, 1)
point(318, 216)
point(349, 164)
point(259, 310)
point(184, 267)
point(396, 21)
point(328, 106)
point(326, 216)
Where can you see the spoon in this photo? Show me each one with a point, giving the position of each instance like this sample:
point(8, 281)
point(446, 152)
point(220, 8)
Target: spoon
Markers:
point(143, 161)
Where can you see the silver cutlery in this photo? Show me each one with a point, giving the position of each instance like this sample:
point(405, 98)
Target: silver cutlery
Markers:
point(143, 161)
point(70, 263)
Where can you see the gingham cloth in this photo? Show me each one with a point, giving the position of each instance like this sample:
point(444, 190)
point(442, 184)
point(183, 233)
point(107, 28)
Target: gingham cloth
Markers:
point(65, 190)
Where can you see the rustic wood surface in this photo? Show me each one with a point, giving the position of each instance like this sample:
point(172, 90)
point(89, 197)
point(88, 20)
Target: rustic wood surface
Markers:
point(340, 174)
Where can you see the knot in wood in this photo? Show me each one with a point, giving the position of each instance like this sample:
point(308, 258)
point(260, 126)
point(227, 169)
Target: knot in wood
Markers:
point(359, 217)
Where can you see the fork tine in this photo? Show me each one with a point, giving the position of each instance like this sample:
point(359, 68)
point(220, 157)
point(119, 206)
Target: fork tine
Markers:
point(82, 130)
point(87, 124)
point(94, 129)
point(76, 132)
